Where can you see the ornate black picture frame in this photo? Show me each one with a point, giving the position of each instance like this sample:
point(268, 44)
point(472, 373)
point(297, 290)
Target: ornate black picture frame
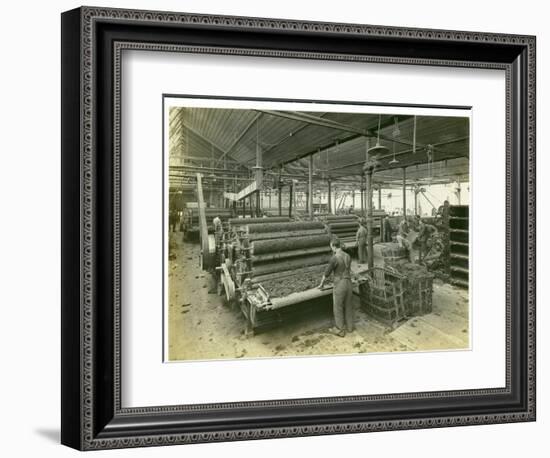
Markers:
point(92, 415)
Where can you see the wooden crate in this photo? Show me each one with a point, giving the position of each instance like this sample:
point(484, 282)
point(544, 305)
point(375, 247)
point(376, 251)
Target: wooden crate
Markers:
point(418, 295)
point(383, 295)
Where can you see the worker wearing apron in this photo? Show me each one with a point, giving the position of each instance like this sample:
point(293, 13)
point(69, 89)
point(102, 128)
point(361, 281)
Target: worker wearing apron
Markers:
point(340, 266)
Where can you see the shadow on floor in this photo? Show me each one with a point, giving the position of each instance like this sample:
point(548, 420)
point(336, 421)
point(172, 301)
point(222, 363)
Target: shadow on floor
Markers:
point(52, 435)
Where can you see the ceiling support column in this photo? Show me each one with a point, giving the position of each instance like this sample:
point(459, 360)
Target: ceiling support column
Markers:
point(329, 198)
point(404, 192)
point(363, 195)
point(310, 187)
point(280, 191)
point(290, 199)
point(370, 244)
point(258, 175)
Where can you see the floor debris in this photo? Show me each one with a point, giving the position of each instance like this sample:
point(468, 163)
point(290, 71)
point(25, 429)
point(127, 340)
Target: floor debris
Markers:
point(221, 327)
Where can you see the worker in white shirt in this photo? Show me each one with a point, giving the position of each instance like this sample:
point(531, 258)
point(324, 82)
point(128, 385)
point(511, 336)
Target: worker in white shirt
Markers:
point(218, 229)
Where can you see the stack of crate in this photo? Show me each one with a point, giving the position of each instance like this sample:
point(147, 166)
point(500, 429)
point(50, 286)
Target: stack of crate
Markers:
point(383, 295)
point(398, 292)
point(418, 287)
point(459, 240)
point(419, 292)
point(389, 252)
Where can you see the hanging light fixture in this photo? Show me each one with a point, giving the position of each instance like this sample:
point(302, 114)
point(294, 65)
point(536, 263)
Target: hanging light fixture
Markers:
point(396, 131)
point(394, 160)
point(378, 148)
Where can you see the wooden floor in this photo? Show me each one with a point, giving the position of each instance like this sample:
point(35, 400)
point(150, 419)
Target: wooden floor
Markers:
point(445, 328)
point(201, 327)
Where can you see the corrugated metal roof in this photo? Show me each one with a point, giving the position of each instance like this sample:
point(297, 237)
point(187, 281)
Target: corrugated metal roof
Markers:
point(288, 137)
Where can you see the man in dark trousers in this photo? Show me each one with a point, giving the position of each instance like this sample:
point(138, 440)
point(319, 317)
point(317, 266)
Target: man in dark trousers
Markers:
point(173, 220)
point(340, 266)
point(361, 238)
point(386, 229)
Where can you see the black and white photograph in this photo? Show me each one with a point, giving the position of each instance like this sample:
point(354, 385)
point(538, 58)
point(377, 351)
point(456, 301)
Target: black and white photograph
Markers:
point(310, 229)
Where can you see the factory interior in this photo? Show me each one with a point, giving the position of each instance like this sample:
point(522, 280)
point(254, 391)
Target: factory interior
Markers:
point(255, 197)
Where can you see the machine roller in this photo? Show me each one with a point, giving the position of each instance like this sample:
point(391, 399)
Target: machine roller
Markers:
point(344, 227)
point(192, 223)
point(246, 221)
point(265, 275)
point(281, 227)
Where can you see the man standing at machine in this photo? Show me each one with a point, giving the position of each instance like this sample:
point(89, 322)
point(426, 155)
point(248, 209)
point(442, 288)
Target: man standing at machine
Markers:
point(425, 233)
point(403, 237)
point(173, 220)
point(361, 238)
point(218, 228)
point(386, 229)
point(443, 211)
point(340, 266)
